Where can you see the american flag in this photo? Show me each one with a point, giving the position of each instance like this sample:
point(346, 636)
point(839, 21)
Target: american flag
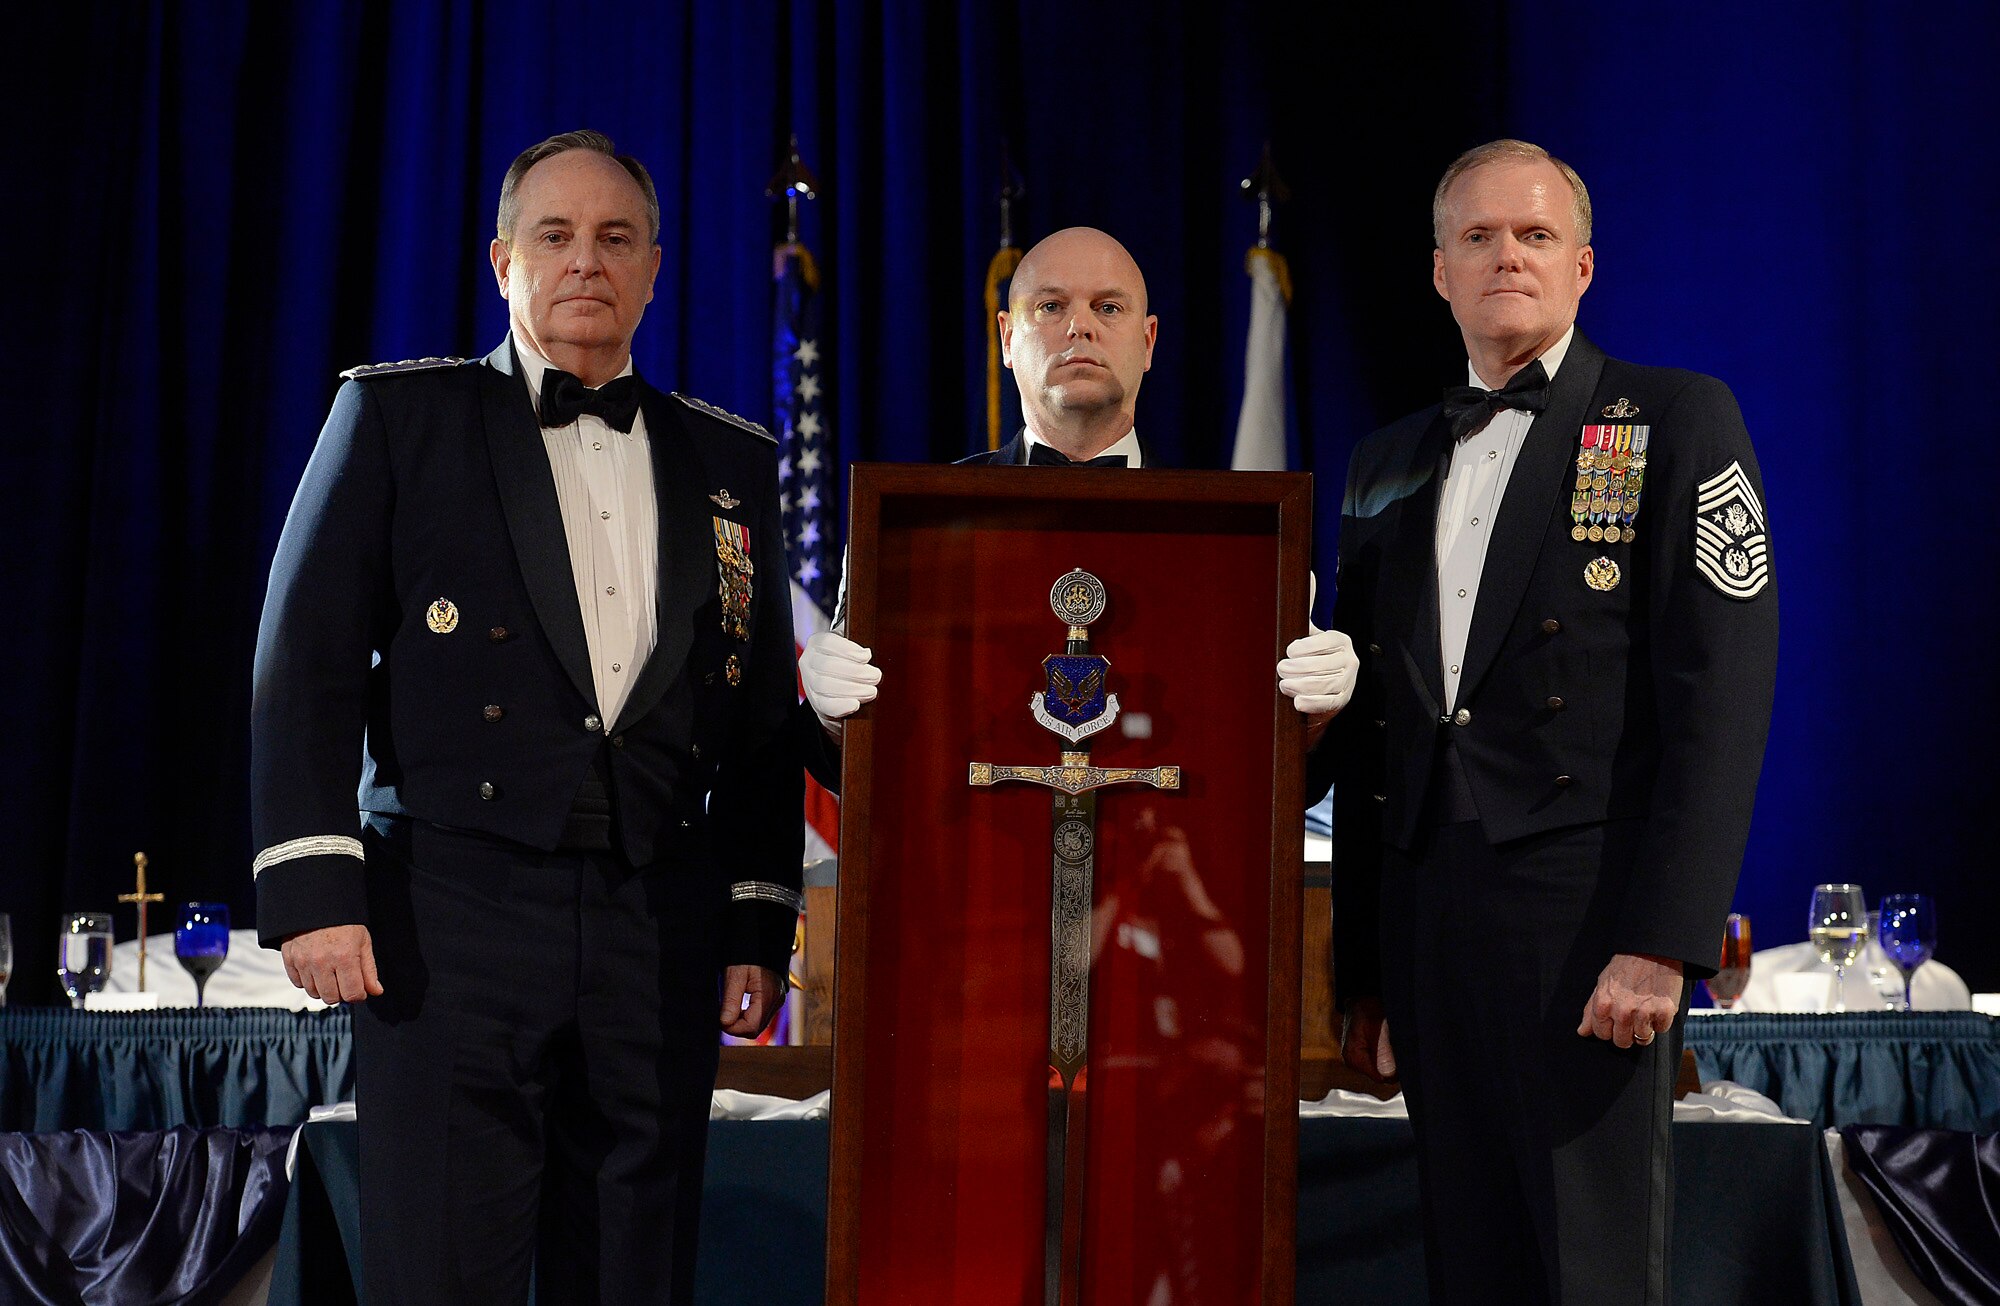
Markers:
point(805, 471)
point(805, 483)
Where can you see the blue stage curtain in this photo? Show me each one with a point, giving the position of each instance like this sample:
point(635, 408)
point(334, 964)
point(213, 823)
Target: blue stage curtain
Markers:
point(1939, 1070)
point(1939, 1192)
point(235, 200)
point(138, 1219)
point(63, 1069)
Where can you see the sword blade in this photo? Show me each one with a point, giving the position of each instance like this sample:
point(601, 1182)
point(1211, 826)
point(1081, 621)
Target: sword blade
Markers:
point(1074, 848)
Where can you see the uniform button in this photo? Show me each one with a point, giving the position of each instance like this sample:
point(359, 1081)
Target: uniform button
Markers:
point(604, 516)
point(685, 824)
point(1461, 594)
point(616, 667)
point(487, 791)
point(499, 634)
point(618, 741)
point(1454, 668)
point(1475, 521)
point(1376, 649)
point(494, 712)
point(1552, 627)
point(1381, 725)
point(1562, 782)
point(595, 445)
point(1555, 703)
point(695, 750)
point(1381, 798)
point(1462, 717)
point(610, 589)
point(592, 723)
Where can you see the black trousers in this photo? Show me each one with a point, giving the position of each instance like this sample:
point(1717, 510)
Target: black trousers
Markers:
point(1545, 1157)
point(533, 1084)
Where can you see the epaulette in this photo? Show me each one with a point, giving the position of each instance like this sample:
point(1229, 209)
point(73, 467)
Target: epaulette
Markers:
point(723, 414)
point(391, 369)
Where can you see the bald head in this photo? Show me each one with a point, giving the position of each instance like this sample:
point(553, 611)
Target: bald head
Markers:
point(1079, 248)
point(1078, 338)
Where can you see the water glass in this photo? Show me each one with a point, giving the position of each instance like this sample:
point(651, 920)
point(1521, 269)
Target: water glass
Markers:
point(201, 941)
point(83, 954)
point(1837, 923)
point(1909, 934)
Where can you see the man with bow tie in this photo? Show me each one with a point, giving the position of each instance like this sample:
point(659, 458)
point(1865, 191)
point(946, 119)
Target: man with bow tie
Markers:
point(1077, 336)
point(1561, 581)
point(532, 611)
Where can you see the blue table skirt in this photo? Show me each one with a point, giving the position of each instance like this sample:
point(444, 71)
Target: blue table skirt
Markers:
point(1756, 1219)
point(1925, 1069)
point(241, 1066)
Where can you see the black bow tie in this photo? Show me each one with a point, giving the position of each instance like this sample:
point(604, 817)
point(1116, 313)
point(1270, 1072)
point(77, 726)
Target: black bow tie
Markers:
point(1467, 407)
point(564, 399)
point(1042, 455)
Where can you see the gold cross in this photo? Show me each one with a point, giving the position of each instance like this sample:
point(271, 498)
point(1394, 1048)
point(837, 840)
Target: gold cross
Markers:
point(141, 897)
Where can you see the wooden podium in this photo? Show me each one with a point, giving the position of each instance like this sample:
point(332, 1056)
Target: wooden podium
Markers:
point(942, 1101)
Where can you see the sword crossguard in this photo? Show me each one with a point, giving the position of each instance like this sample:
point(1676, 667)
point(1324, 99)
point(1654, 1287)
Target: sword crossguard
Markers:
point(1075, 775)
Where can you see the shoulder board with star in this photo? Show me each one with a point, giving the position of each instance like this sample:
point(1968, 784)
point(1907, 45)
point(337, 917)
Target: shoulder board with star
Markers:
point(724, 415)
point(372, 370)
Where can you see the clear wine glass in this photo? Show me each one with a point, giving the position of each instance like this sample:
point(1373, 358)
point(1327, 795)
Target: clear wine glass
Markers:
point(201, 941)
point(1838, 926)
point(1909, 934)
point(6, 955)
point(1732, 974)
point(83, 954)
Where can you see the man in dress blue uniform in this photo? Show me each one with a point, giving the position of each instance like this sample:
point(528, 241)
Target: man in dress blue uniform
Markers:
point(1561, 580)
point(1078, 338)
point(551, 600)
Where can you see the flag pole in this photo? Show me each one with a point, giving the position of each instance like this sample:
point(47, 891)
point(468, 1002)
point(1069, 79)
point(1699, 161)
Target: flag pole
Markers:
point(1002, 266)
point(1260, 423)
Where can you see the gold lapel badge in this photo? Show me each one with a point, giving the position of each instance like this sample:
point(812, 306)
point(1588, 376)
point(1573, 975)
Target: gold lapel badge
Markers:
point(1621, 410)
point(1602, 575)
point(442, 617)
point(725, 500)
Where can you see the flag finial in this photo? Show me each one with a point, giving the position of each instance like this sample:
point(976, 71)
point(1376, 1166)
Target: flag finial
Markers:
point(1268, 189)
point(792, 182)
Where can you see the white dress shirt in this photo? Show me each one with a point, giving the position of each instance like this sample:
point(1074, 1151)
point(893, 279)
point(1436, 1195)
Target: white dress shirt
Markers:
point(1129, 446)
point(1467, 504)
point(604, 486)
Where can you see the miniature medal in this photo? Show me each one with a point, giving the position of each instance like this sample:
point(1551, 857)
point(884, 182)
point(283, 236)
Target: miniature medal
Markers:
point(442, 617)
point(733, 571)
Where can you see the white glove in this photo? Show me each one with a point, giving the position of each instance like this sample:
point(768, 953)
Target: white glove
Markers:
point(838, 676)
point(1318, 672)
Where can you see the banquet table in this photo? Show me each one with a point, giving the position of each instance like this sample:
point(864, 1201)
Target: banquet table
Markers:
point(1755, 1217)
point(1924, 1069)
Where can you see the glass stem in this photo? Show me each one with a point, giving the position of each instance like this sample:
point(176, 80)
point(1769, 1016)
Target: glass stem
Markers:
point(1908, 975)
point(200, 987)
point(1839, 989)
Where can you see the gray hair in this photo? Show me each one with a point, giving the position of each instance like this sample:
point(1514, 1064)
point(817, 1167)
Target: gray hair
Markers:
point(596, 143)
point(1505, 150)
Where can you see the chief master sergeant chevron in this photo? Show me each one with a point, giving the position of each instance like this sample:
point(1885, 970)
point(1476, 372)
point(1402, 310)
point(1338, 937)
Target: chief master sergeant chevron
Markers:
point(534, 613)
point(1561, 580)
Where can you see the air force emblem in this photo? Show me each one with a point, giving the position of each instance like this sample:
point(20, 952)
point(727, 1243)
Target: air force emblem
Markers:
point(1731, 545)
point(1075, 705)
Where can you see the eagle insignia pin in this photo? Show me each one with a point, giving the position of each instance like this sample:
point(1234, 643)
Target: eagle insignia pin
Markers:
point(1621, 410)
point(725, 500)
point(1601, 575)
point(442, 617)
